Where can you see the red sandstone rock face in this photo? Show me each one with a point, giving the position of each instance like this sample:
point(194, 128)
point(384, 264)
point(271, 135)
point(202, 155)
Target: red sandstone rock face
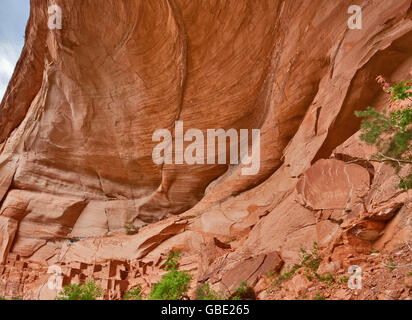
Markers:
point(76, 139)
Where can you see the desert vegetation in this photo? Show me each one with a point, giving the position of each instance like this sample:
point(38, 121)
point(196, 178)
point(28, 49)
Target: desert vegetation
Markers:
point(391, 133)
point(86, 291)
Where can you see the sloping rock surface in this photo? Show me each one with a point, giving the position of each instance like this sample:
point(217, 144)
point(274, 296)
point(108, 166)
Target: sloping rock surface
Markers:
point(77, 120)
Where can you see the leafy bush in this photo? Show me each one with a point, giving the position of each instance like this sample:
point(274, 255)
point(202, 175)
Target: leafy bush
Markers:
point(270, 273)
point(343, 280)
point(135, 294)
point(290, 273)
point(130, 228)
point(244, 292)
point(391, 133)
point(204, 292)
point(400, 91)
point(86, 291)
point(13, 298)
point(391, 264)
point(311, 259)
point(327, 278)
point(319, 296)
point(172, 262)
point(174, 284)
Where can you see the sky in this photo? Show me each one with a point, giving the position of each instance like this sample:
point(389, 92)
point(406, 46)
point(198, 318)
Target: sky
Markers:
point(13, 18)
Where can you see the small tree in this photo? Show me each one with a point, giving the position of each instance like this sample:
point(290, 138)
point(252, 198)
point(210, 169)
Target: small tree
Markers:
point(135, 294)
point(174, 284)
point(391, 133)
point(204, 292)
point(130, 228)
point(86, 291)
point(244, 292)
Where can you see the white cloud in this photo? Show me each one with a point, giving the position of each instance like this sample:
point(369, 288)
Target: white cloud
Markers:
point(9, 54)
point(6, 67)
point(13, 19)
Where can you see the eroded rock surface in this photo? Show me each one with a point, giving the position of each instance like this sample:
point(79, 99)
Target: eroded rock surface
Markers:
point(76, 143)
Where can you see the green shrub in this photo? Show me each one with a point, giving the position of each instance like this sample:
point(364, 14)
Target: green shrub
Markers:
point(270, 273)
point(204, 292)
point(391, 264)
point(343, 280)
point(327, 279)
point(391, 133)
point(244, 292)
point(134, 294)
point(130, 228)
point(399, 91)
point(319, 296)
point(86, 291)
point(311, 259)
point(290, 273)
point(172, 262)
point(405, 183)
point(174, 284)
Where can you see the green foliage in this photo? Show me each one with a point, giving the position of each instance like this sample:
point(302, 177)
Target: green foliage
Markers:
point(311, 259)
point(319, 296)
point(86, 291)
point(270, 273)
point(204, 292)
point(172, 261)
point(13, 298)
point(308, 274)
point(391, 264)
point(373, 128)
point(232, 239)
point(130, 228)
point(327, 279)
point(391, 133)
point(134, 294)
point(244, 292)
point(174, 284)
point(399, 91)
point(343, 280)
point(290, 272)
point(405, 183)
point(410, 273)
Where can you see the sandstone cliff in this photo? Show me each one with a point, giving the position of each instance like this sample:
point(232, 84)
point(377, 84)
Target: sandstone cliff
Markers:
point(76, 143)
